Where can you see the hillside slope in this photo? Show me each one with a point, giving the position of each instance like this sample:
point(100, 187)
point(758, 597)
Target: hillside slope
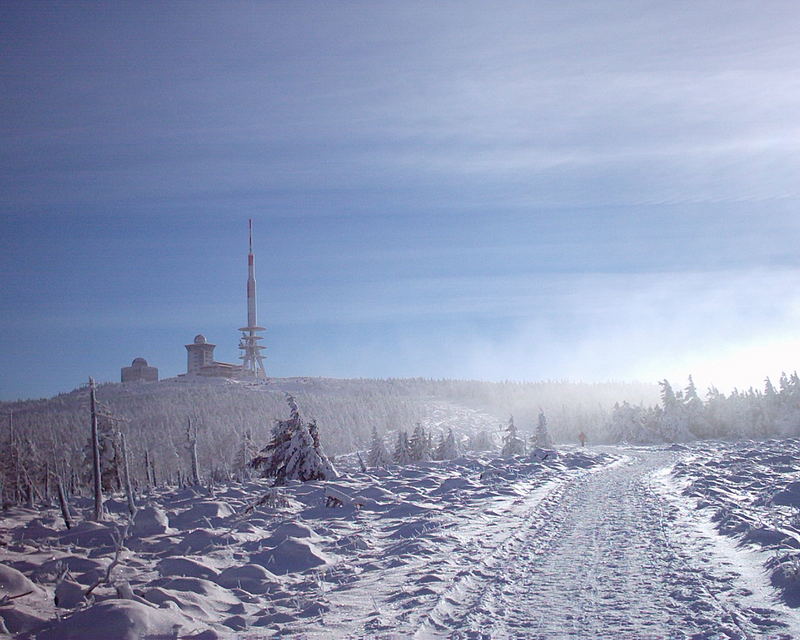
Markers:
point(234, 418)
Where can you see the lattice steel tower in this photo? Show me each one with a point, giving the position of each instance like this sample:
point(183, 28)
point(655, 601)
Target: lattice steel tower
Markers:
point(251, 357)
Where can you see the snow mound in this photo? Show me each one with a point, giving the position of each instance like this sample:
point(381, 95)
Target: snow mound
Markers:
point(18, 621)
point(290, 529)
point(90, 534)
point(120, 620)
point(185, 567)
point(199, 586)
point(211, 512)
point(76, 565)
point(150, 521)
point(199, 541)
point(452, 484)
point(252, 578)
point(293, 555)
point(14, 583)
point(352, 542)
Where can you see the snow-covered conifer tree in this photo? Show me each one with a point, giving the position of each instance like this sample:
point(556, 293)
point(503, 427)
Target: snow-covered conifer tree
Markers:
point(543, 439)
point(273, 457)
point(512, 443)
point(294, 453)
point(481, 441)
point(402, 450)
point(668, 399)
point(674, 423)
point(694, 411)
point(305, 459)
point(378, 456)
point(420, 445)
point(447, 449)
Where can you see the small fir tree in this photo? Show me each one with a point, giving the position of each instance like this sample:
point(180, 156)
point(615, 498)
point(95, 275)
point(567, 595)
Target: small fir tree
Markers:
point(402, 450)
point(543, 439)
point(305, 459)
point(295, 452)
point(420, 445)
point(481, 441)
point(512, 443)
point(378, 456)
point(447, 448)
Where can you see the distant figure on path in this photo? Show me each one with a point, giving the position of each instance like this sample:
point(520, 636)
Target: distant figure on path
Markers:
point(582, 438)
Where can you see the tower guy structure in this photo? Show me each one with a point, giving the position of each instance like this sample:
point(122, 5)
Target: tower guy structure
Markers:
point(251, 357)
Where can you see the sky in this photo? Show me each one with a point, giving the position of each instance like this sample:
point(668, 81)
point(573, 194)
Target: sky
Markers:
point(518, 190)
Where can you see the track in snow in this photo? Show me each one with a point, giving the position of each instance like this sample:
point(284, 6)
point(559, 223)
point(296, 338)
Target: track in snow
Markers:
point(602, 560)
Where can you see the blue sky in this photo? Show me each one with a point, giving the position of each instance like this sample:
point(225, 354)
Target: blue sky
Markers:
point(532, 190)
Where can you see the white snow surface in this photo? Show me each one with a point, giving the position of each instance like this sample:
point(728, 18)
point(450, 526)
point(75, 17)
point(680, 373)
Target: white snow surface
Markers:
point(613, 542)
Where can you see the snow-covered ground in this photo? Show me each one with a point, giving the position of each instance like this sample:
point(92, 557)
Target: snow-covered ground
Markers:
point(750, 492)
point(596, 543)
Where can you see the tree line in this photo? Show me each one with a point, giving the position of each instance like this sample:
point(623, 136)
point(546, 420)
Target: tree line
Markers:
point(683, 415)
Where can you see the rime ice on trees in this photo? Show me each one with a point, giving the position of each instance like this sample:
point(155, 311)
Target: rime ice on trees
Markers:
point(402, 450)
point(420, 445)
point(294, 453)
point(378, 456)
point(512, 443)
point(448, 447)
point(543, 439)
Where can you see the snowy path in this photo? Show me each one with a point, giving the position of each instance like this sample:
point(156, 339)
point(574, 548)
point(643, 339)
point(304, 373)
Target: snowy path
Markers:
point(601, 560)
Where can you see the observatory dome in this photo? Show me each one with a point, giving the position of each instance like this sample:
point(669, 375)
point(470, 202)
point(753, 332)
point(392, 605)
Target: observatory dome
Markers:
point(139, 362)
point(199, 339)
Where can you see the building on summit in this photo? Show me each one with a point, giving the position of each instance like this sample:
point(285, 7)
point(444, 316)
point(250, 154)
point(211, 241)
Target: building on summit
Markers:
point(200, 353)
point(200, 361)
point(139, 371)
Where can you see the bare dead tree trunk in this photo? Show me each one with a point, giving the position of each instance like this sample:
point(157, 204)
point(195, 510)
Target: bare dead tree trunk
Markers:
point(191, 437)
point(98, 485)
point(47, 483)
point(62, 501)
point(127, 473)
point(148, 480)
point(15, 453)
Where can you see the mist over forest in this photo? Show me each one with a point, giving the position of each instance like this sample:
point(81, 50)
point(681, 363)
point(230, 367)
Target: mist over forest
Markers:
point(227, 414)
point(234, 419)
